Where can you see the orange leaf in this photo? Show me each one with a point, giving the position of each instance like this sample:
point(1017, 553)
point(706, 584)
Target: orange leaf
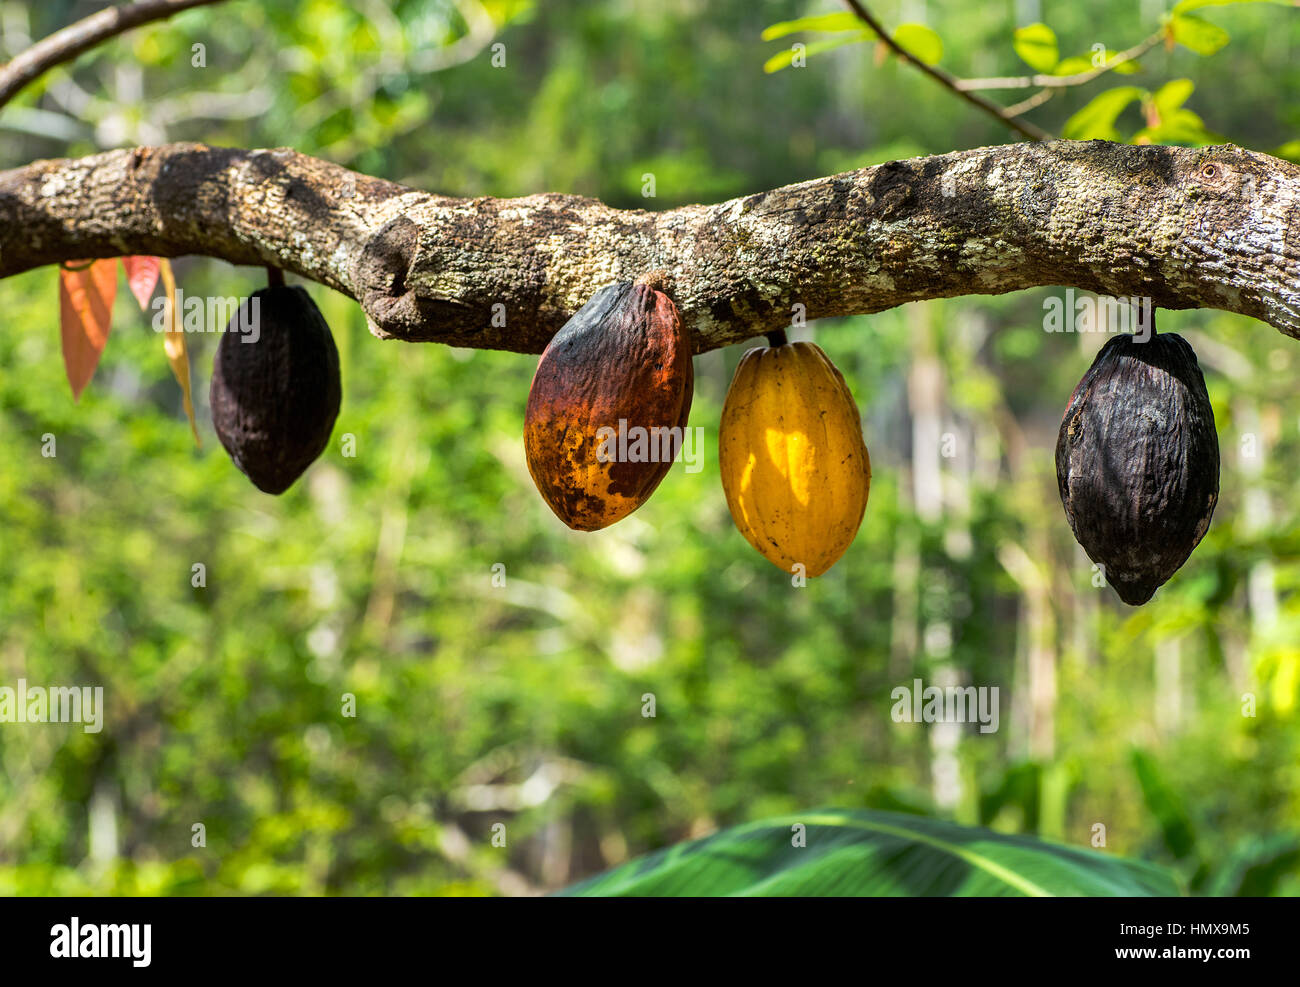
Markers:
point(141, 277)
point(86, 296)
point(174, 346)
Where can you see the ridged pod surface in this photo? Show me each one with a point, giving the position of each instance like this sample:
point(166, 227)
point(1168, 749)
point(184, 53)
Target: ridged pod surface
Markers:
point(1137, 461)
point(794, 465)
point(275, 386)
point(608, 405)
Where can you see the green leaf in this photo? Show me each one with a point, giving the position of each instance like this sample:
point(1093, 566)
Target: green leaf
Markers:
point(1123, 68)
point(783, 58)
point(1172, 95)
point(1185, 5)
point(920, 41)
point(1096, 121)
point(825, 22)
point(1020, 789)
point(1036, 45)
point(1197, 34)
point(1255, 867)
point(1182, 127)
point(1074, 65)
point(1078, 64)
point(1163, 802)
point(875, 853)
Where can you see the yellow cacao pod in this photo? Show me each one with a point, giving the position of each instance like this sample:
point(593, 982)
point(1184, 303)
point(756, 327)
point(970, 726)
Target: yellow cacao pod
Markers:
point(794, 466)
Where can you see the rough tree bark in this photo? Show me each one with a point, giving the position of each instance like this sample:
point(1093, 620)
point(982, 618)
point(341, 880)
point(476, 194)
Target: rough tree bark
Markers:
point(1215, 227)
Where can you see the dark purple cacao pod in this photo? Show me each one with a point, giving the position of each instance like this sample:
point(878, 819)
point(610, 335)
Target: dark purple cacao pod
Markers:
point(275, 391)
point(1137, 461)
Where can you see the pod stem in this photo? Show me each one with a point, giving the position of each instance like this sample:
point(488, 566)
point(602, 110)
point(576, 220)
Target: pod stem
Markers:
point(777, 338)
point(274, 277)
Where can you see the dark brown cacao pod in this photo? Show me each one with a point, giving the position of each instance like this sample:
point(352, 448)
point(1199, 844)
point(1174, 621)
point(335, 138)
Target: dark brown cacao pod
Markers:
point(608, 405)
point(1137, 461)
point(275, 389)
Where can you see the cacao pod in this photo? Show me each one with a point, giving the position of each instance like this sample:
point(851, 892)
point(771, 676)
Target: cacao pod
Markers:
point(794, 466)
point(1137, 461)
point(608, 405)
point(275, 391)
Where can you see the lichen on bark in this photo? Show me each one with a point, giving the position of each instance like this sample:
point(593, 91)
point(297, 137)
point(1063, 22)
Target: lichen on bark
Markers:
point(1207, 227)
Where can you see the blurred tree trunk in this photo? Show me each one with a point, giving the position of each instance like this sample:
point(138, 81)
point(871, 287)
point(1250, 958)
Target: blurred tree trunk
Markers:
point(927, 398)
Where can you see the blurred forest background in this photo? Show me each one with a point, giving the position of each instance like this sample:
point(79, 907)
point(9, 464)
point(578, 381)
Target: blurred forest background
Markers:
point(479, 704)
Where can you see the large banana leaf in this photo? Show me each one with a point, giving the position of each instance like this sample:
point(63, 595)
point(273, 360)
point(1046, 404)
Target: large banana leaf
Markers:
point(876, 853)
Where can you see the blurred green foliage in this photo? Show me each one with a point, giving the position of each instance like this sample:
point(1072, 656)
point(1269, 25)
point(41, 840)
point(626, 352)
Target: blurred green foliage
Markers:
point(522, 704)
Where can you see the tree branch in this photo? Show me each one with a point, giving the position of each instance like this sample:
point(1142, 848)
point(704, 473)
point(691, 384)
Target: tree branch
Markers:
point(66, 44)
point(1030, 102)
point(1215, 227)
point(947, 81)
point(1066, 81)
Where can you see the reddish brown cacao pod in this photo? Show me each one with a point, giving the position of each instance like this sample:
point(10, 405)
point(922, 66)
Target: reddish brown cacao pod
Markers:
point(608, 405)
point(1137, 461)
